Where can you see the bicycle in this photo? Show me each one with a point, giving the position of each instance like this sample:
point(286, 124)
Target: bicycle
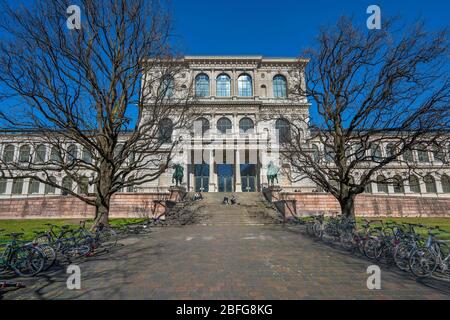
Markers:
point(435, 255)
point(409, 242)
point(25, 260)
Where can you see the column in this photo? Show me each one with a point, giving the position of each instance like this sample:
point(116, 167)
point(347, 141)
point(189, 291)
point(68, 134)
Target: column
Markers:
point(238, 170)
point(185, 177)
point(191, 182)
point(439, 188)
point(407, 187)
point(212, 184)
point(9, 184)
point(390, 189)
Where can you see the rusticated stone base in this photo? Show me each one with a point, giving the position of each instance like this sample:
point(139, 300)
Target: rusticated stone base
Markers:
point(126, 205)
point(370, 205)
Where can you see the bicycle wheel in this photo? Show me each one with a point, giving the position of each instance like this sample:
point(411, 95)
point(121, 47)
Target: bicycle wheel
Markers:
point(107, 237)
point(27, 261)
point(50, 255)
point(346, 239)
point(402, 254)
point(422, 263)
point(79, 247)
point(371, 248)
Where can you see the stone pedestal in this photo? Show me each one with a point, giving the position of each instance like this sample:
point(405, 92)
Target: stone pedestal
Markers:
point(177, 193)
point(273, 193)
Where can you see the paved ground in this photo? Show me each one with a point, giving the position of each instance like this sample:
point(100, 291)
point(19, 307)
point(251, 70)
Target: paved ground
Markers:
point(232, 253)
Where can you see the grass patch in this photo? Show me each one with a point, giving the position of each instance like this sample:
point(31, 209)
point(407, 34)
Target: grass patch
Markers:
point(443, 223)
point(28, 226)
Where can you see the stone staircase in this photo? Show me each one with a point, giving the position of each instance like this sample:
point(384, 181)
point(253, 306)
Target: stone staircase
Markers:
point(250, 210)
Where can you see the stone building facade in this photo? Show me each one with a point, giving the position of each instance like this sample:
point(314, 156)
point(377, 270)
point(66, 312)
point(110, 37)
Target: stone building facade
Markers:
point(242, 103)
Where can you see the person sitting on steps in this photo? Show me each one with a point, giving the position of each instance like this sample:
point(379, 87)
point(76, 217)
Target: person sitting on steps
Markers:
point(197, 196)
point(225, 200)
point(233, 199)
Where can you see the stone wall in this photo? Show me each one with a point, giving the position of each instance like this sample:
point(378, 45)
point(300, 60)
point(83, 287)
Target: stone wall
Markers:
point(369, 205)
point(126, 205)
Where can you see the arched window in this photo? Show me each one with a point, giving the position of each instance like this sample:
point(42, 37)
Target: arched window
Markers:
point(398, 185)
point(376, 152)
point(382, 186)
point(263, 91)
point(24, 153)
point(203, 124)
point(224, 125)
point(438, 154)
point(223, 86)
point(246, 125)
point(430, 184)
point(422, 154)
point(329, 155)
point(359, 151)
point(3, 185)
point(414, 184)
point(17, 187)
point(279, 87)
point(8, 153)
point(87, 155)
point(284, 131)
point(49, 189)
point(445, 181)
point(202, 85)
point(390, 150)
point(41, 154)
point(33, 186)
point(408, 156)
point(165, 130)
point(66, 184)
point(55, 156)
point(83, 186)
point(245, 87)
point(167, 87)
point(130, 188)
point(72, 153)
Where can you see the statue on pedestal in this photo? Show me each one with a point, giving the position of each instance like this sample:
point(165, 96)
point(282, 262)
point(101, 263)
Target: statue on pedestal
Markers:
point(272, 173)
point(178, 174)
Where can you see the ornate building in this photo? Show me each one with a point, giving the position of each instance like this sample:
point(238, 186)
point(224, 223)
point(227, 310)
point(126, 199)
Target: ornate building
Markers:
point(243, 104)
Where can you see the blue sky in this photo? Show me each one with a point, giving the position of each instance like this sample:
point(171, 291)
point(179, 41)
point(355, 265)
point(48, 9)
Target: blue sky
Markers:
point(280, 27)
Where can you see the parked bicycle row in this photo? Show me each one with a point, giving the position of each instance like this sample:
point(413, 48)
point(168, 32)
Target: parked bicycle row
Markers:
point(29, 258)
point(412, 247)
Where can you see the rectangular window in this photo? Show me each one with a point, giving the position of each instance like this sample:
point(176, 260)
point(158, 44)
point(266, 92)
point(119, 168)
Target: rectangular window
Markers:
point(33, 187)
point(17, 187)
point(3, 186)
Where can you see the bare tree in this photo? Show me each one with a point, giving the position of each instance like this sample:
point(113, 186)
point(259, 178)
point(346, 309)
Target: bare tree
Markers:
point(93, 104)
point(369, 89)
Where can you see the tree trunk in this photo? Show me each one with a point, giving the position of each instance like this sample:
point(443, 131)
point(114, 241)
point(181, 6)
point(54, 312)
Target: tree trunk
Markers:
point(103, 200)
point(102, 214)
point(348, 206)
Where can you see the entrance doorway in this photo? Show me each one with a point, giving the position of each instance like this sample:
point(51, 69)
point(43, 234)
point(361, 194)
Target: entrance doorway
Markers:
point(225, 177)
point(201, 174)
point(248, 177)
